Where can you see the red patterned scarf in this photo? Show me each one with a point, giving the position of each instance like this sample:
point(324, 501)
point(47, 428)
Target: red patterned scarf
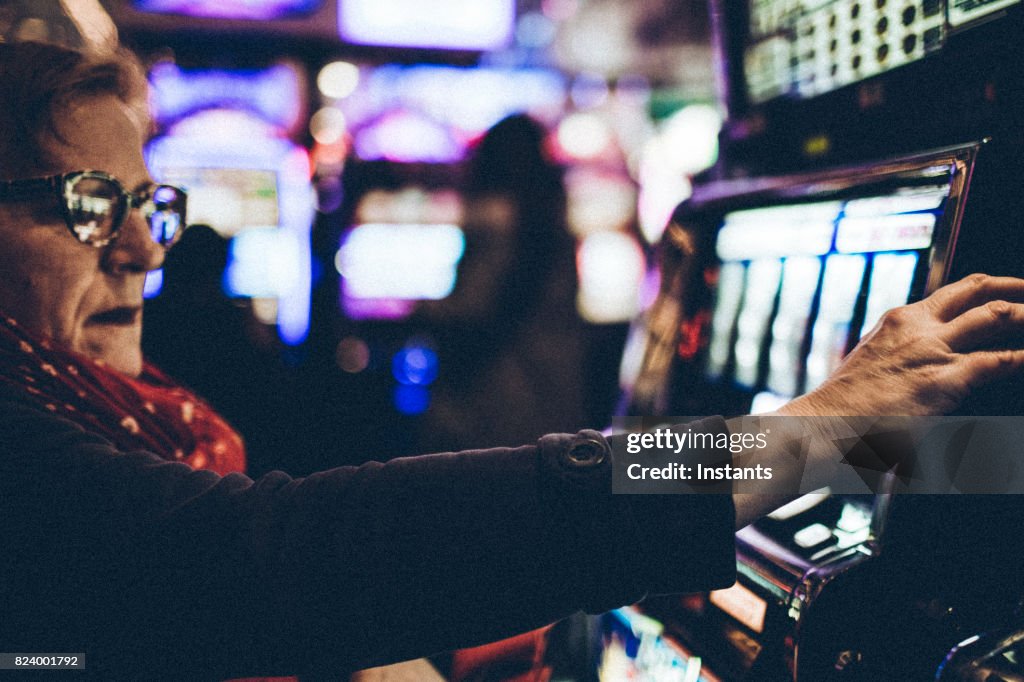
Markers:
point(149, 413)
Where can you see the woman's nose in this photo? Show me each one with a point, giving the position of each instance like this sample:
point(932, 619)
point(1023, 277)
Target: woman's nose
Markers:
point(134, 250)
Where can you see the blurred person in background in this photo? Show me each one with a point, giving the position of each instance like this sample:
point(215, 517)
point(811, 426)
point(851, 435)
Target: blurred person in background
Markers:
point(511, 345)
point(215, 345)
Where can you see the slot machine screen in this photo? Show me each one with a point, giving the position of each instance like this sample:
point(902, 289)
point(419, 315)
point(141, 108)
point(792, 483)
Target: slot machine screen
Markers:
point(448, 25)
point(801, 50)
point(404, 246)
point(228, 199)
point(802, 268)
point(778, 278)
point(633, 647)
point(257, 195)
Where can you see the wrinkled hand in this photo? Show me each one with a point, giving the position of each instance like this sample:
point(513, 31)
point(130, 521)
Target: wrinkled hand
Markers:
point(924, 358)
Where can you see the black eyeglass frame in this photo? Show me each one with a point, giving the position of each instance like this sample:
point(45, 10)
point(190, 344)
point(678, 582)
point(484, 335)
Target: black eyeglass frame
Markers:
point(61, 185)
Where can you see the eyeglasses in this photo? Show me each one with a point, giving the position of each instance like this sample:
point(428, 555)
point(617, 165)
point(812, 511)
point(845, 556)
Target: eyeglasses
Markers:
point(94, 205)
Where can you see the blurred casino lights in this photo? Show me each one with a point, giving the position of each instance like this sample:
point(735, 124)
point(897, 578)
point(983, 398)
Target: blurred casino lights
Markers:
point(691, 136)
point(584, 135)
point(534, 30)
point(599, 200)
point(328, 126)
point(560, 10)
point(256, 194)
point(415, 365)
point(229, 9)
point(661, 189)
point(272, 95)
point(352, 354)
point(448, 25)
point(252, 137)
point(411, 400)
point(407, 136)
point(589, 90)
point(385, 268)
point(611, 269)
point(338, 80)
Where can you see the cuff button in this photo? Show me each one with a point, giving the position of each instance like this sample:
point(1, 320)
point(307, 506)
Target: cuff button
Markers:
point(585, 453)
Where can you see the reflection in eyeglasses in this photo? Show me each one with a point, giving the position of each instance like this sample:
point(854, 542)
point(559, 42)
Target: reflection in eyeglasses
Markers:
point(91, 216)
point(164, 225)
point(97, 206)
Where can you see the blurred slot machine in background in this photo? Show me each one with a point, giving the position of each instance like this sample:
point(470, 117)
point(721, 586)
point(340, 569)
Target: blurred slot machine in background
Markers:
point(401, 247)
point(826, 210)
point(225, 139)
point(386, 100)
point(396, 229)
point(310, 136)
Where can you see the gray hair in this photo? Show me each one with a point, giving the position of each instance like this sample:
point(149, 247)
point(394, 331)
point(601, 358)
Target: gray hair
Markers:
point(40, 80)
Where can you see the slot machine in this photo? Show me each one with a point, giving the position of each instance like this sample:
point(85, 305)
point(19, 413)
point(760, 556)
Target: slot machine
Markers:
point(393, 244)
point(229, 313)
point(224, 138)
point(837, 198)
point(399, 250)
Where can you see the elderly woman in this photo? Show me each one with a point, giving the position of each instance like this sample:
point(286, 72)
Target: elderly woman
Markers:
point(130, 536)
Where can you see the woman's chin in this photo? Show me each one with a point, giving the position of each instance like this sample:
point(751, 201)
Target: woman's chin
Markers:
point(119, 349)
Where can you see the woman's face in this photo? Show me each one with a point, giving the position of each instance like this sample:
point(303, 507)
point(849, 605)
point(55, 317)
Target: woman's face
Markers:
point(85, 298)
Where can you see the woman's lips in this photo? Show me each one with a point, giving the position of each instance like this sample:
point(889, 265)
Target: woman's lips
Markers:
point(122, 316)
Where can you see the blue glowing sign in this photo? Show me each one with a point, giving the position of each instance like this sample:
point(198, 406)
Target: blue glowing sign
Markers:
point(275, 94)
point(415, 366)
point(411, 400)
point(229, 9)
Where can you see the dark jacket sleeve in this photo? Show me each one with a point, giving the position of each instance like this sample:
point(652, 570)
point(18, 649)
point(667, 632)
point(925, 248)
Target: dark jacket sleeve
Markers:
point(147, 565)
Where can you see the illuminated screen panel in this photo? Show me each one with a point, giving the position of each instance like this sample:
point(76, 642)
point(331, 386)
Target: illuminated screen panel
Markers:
point(442, 24)
point(892, 275)
point(804, 49)
point(814, 256)
point(762, 237)
point(903, 231)
point(728, 296)
point(400, 261)
point(263, 264)
point(752, 324)
point(831, 332)
point(218, 151)
point(229, 9)
point(778, 231)
point(799, 284)
point(228, 199)
point(965, 11)
point(404, 246)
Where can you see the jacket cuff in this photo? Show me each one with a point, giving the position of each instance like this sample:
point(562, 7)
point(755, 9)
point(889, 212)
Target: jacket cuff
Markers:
point(623, 547)
point(688, 539)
